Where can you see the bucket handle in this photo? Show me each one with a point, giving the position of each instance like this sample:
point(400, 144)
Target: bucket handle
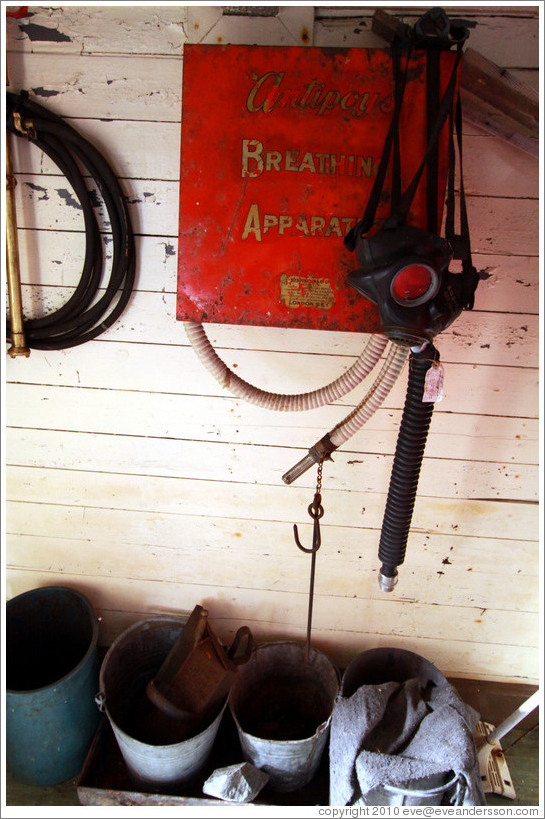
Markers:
point(233, 653)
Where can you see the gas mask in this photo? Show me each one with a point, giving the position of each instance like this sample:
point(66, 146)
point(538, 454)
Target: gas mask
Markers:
point(404, 271)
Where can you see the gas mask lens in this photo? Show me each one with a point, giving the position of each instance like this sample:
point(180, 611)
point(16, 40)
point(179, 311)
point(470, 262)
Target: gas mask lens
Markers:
point(414, 284)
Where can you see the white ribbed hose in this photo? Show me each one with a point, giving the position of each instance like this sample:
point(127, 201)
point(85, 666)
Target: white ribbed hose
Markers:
point(277, 401)
point(355, 419)
point(393, 364)
point(397, 355)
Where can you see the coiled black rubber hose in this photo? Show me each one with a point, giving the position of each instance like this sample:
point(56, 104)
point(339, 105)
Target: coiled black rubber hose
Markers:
point(83, 316)
point(411, 442)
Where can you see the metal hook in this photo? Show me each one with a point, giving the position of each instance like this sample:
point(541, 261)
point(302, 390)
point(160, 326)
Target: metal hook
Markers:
point(316, 511)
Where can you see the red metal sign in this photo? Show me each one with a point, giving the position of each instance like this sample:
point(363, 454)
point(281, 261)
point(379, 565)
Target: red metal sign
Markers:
point(280, 148)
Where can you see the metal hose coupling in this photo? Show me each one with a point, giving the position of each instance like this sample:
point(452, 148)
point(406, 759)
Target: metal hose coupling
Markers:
point(321, 451)
point(411, 442)
point(386, 584)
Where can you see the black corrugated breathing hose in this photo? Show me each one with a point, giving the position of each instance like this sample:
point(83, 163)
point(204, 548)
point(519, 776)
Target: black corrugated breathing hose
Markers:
point(86, 314)
point(411, 442)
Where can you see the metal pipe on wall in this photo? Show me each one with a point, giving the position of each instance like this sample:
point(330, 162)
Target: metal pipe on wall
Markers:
point(18, 342)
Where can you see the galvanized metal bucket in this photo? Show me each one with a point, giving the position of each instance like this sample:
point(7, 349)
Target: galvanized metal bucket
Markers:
point(52, 671)
point(131, 662)
point(281, 703)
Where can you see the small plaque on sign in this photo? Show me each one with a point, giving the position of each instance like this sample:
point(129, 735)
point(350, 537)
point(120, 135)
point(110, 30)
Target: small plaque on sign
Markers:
point(280, 148)
point(297, 291)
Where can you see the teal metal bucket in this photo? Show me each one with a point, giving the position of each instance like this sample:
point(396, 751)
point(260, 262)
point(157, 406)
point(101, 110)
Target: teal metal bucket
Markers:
point(52, 669)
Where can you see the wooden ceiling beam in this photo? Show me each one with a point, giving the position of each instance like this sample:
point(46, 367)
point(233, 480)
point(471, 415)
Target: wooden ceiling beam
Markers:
point(492, 98)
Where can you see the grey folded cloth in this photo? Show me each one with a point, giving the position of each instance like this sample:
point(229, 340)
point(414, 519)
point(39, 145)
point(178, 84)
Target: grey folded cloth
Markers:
point(393, 733)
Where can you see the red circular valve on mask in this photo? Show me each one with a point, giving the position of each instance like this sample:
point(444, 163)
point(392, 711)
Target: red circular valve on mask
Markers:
point(414, 284)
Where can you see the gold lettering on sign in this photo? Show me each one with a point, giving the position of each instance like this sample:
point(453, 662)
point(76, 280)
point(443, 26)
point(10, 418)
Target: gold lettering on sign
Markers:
point(252, 224)
point(259, 224)
point(255, 160)
point(269, 92)
point(306, 291)
point(265, 99)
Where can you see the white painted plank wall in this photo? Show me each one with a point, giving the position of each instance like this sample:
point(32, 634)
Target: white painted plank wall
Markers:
point(132, 476)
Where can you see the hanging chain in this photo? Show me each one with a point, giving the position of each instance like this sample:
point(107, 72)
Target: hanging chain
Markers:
point(316, 510)
point(319, 477)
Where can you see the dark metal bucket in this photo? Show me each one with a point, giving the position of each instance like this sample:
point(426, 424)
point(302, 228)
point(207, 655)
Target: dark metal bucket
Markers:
point(386, 664)
point(282, 703)
point(51, 681)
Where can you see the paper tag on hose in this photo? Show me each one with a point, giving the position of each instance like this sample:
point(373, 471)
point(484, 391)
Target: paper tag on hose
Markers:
point(433, 385)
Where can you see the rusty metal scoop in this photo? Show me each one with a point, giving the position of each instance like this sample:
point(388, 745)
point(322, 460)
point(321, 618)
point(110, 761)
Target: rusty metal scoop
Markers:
point(198, 672)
